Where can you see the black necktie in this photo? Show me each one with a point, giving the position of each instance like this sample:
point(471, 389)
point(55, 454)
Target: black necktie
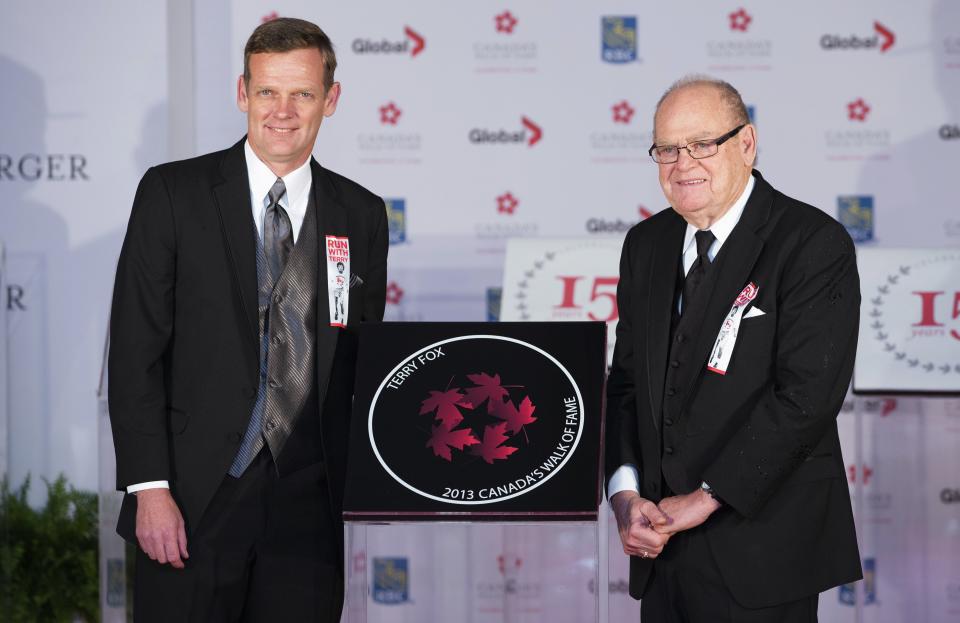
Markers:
point(277, 232)
point(697, 272)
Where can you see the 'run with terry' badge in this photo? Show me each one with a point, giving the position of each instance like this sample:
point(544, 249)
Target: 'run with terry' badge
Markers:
point(338, 279)
point(727, 338)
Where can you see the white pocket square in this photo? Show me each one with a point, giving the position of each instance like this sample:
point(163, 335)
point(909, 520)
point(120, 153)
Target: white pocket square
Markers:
point(753, 312)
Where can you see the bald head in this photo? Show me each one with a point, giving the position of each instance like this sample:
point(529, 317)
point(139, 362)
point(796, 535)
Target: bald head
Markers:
point(733, 107)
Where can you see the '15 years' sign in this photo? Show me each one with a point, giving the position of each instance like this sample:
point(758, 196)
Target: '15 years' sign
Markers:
point(909, 321)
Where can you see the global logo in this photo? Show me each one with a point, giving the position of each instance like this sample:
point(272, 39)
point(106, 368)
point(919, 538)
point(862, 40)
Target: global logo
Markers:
point(882, 39)
point(498, 417)
point(413, 44)
point(391, 580)
point(950, 131)
point(950, 496)
point(855, 213)
point(396, 220)
point(530, 133)
point(618, 35)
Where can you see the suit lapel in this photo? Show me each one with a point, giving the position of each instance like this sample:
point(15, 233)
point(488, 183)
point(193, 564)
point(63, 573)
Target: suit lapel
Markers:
point(731, 269)
point(232, 195)
point(662, 296)
point(332, 220)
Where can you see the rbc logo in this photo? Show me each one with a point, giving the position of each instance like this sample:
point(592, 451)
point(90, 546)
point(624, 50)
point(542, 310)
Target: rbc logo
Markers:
point(847, 592)
point(855, 212)
point(391, 580)
point(619, 38)
point(397, 220)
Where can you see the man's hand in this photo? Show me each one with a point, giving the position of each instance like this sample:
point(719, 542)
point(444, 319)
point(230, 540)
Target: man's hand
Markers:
point(160, 528)
point(638, 521)
point(686, 511)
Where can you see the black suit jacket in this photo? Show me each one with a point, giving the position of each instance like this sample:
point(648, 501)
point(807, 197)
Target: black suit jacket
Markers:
point(184, 341)
point(763, 435)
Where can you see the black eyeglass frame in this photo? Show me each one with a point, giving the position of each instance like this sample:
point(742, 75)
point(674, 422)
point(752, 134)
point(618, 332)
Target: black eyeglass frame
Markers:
point(716, 141)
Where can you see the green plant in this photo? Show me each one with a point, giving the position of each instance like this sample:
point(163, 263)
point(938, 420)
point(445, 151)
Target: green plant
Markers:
point(48, 556)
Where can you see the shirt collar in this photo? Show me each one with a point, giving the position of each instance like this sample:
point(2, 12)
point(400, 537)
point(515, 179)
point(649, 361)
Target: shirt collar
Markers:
point(725, 224)
point(262, 178)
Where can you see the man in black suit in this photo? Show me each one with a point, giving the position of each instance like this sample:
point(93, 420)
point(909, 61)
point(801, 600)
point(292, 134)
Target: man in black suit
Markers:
point(738, 325)
point(230, 382)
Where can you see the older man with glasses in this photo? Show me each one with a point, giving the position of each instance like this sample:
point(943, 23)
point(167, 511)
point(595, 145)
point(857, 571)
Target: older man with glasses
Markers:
point(738, 326)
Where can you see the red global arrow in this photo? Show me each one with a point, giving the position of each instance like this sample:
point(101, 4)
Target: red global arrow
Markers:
point(418, 42)
point(887, 34)
point(535, 132)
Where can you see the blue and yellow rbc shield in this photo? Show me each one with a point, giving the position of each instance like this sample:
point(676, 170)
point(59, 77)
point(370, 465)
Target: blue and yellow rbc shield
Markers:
point(494, 296)
point(391, 580)
point(397, 220)
point(619, 38)
point(848, 593)
point(855, 212)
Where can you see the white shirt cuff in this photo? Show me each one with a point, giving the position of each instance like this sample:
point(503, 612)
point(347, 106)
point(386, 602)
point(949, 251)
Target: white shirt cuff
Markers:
point(153, 484)
point(626, 478)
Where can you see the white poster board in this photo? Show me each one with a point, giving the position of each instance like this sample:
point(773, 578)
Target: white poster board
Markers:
point(564, 279)
point(909, 321)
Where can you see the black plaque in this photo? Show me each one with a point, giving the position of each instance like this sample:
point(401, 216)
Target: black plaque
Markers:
point(477, 421)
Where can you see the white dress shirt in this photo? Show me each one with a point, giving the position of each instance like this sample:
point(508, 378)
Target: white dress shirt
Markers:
point(298, 183)
point(627, 476)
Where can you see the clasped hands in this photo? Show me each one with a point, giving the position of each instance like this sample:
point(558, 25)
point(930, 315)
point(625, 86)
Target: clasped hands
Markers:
point(646, 527)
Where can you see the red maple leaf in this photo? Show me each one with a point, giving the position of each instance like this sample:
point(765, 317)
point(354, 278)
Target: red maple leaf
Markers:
point(490, 449)
point(487, 387)
point(446, 405)
point(443, 439)
point(516, 418)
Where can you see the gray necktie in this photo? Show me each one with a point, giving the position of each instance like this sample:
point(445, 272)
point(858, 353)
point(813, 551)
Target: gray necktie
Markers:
point(277, 231)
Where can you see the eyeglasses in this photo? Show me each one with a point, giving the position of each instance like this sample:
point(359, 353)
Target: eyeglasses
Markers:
point(668, 154)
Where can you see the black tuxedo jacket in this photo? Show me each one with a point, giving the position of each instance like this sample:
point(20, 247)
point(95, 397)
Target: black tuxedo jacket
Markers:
point(184, 338)
point(763, 435)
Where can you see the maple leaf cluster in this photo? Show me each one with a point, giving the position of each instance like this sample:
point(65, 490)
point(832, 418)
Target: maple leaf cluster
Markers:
point(445, 405)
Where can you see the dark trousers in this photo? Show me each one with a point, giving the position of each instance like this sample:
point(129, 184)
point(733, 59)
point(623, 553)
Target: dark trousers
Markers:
point(687, 587)
point(264, 550)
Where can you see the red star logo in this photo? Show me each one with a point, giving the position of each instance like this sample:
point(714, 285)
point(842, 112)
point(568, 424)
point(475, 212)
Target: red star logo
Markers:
point(507, 203)
point(269, 17)
point(858, 110)
point(394, 293)
point(622, 112)
point(507, 562)
point(506, 22)
point(740, 20)
point(644, 213)
point(888, 407)
point(865, 471)
point(390, 114)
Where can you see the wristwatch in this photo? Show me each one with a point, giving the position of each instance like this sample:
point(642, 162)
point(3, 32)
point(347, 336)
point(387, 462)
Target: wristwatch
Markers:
point(709, 491)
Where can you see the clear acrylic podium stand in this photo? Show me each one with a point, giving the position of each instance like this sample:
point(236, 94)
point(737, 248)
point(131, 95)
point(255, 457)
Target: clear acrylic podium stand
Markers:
point(476, 572)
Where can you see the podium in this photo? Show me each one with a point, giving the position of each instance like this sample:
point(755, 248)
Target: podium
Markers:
point(474, 475)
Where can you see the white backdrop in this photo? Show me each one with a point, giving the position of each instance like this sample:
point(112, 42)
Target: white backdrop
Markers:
point(857, 106)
